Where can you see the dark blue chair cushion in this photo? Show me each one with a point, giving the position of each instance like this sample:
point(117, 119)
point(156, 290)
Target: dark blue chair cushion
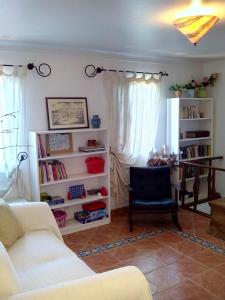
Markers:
point(150, 183)
point(158, 204)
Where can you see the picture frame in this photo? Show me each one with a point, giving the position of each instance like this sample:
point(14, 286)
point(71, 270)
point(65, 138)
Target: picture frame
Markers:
point(67, 113)
point(57, 143)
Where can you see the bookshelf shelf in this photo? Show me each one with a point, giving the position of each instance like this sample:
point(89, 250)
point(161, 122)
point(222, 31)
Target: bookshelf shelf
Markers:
point(195, 139)
point(88, 199)
point(71, 155)
point(196, 119)
point(194, 158)
point(45, 179)
point(185, 115)
point(73, 225)
point(75, 177)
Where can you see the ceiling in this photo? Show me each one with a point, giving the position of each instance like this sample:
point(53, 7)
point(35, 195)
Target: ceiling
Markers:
point(138, 28)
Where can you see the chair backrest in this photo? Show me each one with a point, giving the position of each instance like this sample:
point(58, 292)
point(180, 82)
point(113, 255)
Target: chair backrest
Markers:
point(150, 183)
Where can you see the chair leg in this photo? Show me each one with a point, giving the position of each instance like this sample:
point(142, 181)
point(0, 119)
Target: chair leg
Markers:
point(175, 220)
point(130, 219)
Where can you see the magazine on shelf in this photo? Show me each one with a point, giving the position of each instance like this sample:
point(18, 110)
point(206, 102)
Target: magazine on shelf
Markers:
point(91, 148)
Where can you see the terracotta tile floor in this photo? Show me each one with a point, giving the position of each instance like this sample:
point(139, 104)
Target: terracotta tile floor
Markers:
point(176, 268)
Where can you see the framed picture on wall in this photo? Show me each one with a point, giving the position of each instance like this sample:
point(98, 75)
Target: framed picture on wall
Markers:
point(67, 113)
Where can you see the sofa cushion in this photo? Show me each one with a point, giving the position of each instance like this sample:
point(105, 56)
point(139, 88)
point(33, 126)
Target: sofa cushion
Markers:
point(10, 228)
point(9, 281)
point(41, 259)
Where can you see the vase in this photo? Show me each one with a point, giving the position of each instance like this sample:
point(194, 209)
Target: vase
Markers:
point(202, 92)
point(189, 93)
point(96, 121)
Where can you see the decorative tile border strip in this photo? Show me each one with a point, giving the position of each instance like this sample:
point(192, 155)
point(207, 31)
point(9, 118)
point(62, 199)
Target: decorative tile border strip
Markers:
point(201, 242)
point(145, 235)
point(122, 242)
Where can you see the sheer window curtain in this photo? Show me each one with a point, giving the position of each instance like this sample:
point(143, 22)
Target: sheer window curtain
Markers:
point(133, 113)
point(12, 131)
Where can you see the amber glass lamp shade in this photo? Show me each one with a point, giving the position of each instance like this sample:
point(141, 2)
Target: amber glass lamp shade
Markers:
point(195, 27)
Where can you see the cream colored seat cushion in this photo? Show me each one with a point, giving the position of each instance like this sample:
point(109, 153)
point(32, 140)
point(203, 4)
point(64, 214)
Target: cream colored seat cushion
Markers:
point(9, 283)
point(10, 228)
point(41, 259)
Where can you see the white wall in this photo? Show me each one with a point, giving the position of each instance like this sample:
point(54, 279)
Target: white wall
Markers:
point(218, 92)
point(68, 80)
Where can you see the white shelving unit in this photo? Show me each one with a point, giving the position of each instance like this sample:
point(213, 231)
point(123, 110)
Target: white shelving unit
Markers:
point(76, 168)
point(178, 124)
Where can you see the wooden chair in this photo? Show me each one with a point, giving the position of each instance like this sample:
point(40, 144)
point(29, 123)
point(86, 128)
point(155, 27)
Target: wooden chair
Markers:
point(150, 192)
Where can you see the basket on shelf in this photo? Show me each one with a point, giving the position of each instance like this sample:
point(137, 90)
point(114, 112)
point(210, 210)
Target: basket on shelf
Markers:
point(60, 217)
point(95, 165)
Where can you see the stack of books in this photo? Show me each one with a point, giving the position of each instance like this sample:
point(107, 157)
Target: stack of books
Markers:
point(51, 171)
point(195, 151)
point(190, 112)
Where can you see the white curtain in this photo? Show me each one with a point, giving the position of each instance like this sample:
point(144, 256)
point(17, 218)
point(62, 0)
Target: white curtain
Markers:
point(133, 113)
point(12, 131)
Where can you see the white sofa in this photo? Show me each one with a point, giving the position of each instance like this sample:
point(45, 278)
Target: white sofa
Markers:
point(41, 266)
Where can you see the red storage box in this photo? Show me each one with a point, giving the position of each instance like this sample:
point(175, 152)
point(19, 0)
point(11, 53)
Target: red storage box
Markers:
point(95, 165)
point(94, 206)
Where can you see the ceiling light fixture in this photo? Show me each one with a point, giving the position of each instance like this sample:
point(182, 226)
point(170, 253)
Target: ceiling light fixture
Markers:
point(196, 22)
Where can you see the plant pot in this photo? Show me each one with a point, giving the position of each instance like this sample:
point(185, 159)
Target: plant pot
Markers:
point(189, 93)
point(178, 94)
point(202, 92)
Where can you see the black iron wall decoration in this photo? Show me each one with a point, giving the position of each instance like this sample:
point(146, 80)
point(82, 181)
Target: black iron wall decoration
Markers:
point(43, 70)
point(91, 71)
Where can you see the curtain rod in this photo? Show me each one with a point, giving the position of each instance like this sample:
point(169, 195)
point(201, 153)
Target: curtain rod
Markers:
point(43, 70)
point(91, 71)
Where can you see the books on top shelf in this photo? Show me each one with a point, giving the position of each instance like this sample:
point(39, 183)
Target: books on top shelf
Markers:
point(51, 171)
point(195, 151)
point(191, 112)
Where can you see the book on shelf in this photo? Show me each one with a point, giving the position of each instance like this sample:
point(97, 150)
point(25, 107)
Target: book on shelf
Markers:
point(91, 148)
point(193, 151)
point(41, 148)
point(190, 112)
point(52, 171)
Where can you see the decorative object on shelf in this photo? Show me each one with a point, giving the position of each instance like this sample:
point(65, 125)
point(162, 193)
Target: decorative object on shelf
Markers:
point(95, 165)
point(77, 191)
point(177, 89)
point(55, 200)
point(104, 191)
point(96, 121)
point(67, 113)
point(188, 93)
point(197, 134)
point(161, 159)
point(202, 92)
point(92, 146)
point(43, 70)
point(91, 71)
point(91, 212)
point(57, 143)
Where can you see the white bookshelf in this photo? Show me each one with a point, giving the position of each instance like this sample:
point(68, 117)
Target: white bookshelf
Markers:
point(77, 174)
point(178, 123)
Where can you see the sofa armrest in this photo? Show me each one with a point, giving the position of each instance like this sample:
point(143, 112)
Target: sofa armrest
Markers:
point(36, 216)
point(126, 283)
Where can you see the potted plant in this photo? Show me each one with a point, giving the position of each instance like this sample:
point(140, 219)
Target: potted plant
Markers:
point(189, 89)
point(207, 81)
point(177, 89)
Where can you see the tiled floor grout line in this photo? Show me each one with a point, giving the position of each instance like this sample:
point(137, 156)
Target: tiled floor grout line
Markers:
point(208, 291)
point(145, 235)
